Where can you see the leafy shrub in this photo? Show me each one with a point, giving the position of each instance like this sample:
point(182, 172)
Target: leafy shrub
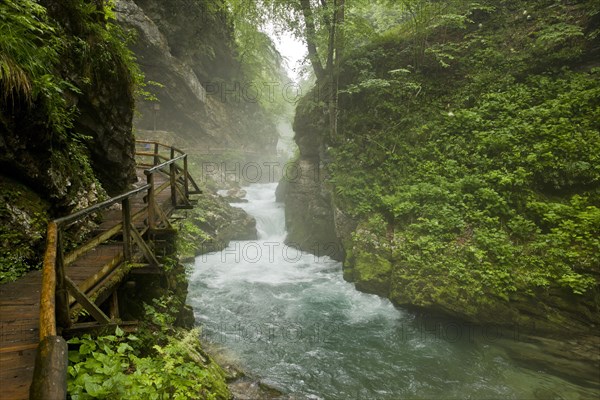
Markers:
point(110, 367)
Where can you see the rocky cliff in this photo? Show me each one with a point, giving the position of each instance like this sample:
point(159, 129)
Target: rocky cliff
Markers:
point(465, 186)
point(438, 187)
point(309, 215)
point(65, 122)
point(187, 49)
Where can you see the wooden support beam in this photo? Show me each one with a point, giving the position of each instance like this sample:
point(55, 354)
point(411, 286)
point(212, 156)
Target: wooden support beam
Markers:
point(162, 187)
point(92, 244)
point(104, 288)
point(181, 192)
point(96, 328)
point(162, 217)
point(195, 185)
point(186, 183)
point(85, 302)
point(156, 157)
point(173, 180)
point(179, 176)
point(148, 254)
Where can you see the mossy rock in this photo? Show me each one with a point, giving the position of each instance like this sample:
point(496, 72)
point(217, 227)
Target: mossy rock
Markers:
point(372, 273)
point(23, 221)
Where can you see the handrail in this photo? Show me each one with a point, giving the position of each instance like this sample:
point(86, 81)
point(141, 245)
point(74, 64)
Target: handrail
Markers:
point(164, 164)
point(48, 301)
point(154, 142)
point(54, 307)
point(99, 207)
point(171, 160)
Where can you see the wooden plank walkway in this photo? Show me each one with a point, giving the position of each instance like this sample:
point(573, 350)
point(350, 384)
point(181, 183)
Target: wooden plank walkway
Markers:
point(20, 300)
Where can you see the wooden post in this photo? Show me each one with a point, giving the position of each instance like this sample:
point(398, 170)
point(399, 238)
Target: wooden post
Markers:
point(156, 158)
point(151, 202)
point(50, 371)
point(186, 183)
point(63, 318)
point(114, 306)
point(126, 207)
point(172, 177)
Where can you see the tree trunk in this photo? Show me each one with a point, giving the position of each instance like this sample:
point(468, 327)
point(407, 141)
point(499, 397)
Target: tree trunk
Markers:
point(311, 33)
point(335, 51)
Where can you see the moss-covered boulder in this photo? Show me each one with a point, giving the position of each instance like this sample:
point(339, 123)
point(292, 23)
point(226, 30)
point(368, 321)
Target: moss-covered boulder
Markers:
point(211, 225)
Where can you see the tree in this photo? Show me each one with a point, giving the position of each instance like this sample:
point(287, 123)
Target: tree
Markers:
point(332, 18)
point(318, 23)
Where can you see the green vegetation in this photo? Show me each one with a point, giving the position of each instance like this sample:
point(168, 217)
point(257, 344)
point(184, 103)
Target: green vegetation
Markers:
point(32, 50)
point(468, 152)
point(55, 59)
point(261, 68)
point(29, 50)
point(164, 359)
point(25, 215)
point(122, 366)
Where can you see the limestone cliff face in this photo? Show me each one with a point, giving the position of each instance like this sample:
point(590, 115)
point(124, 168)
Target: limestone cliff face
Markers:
point(309, 214)
point(106, 114)
point(49, 165)
point(188, 49)
point(104, 99)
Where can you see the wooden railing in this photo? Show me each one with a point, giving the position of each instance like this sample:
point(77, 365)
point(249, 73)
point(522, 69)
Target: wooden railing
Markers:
point(156, 152)
point(59, 294)
point(227, 150)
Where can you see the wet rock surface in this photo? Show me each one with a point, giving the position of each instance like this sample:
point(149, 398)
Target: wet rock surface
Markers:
point(309, 215)
point(191, 55)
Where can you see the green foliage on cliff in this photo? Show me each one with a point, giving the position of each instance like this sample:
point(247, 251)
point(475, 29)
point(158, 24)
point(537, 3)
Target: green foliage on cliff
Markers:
point(261, 64)
point(54, 57)
point(29, 50)
point(469, 151)
point(32, 50)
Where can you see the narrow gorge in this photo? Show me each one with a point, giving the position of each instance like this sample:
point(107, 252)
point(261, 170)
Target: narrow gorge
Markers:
point(374, 200)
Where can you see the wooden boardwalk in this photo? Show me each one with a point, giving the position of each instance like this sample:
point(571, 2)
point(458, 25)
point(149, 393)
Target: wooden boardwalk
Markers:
point(96, 272)
point(19, 334)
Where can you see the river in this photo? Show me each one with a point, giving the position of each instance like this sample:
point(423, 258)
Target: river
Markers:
point(290, 319)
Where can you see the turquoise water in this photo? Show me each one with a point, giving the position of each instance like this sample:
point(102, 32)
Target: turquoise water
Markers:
point(290, 319)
